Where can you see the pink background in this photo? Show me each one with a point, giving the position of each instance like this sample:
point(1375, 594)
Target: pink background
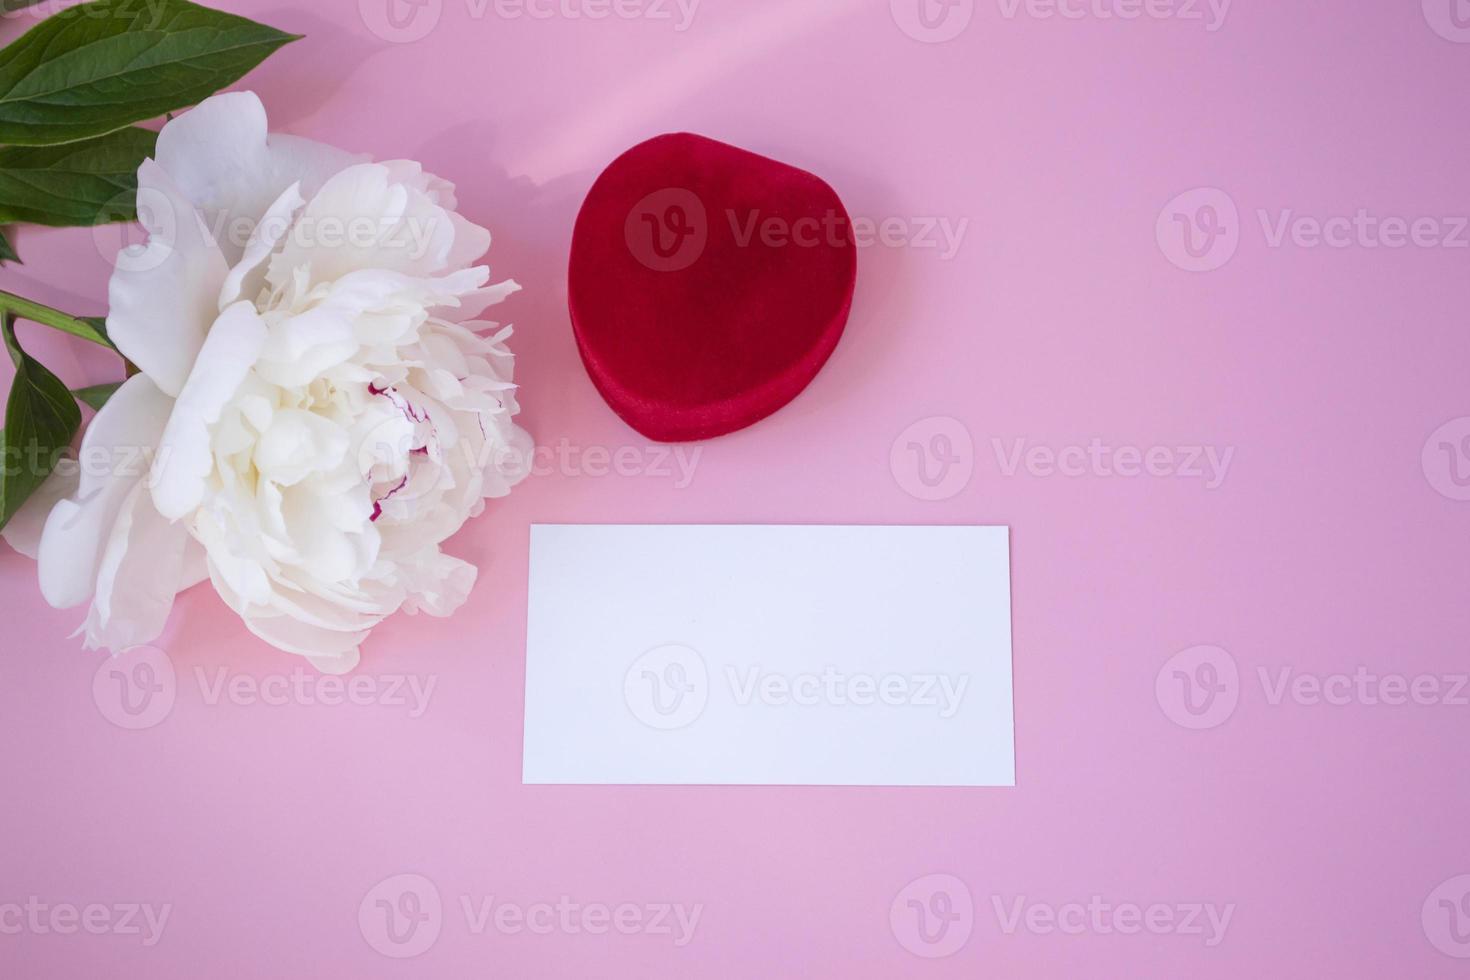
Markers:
point(1329, 545)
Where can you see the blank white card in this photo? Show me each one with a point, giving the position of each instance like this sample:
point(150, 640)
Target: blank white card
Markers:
point(769, 655)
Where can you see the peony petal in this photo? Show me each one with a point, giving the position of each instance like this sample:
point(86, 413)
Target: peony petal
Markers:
point(438, 584)
point(141, 569)
point(184, 458)
point(471, 305)
point(231, 169)
point(294, 636)
point(510, 464)
point(332, 553)
point(195, 567)
point(345, 664)
point(298, 444)
point(364, 219)
point(248, 276)
point(163, 297)
point(470, 241)
point(301, 347)
point(123, 433)
point(336, 648)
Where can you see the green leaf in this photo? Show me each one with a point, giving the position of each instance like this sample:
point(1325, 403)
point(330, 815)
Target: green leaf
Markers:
point(11, 6)
point(96, 396)
point(7, 250)
point(98, 67)
point(98, 326)
point(87, 183)
point(41, 417)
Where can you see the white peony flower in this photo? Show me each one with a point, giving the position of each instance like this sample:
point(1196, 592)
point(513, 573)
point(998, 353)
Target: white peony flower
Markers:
point(320, 407)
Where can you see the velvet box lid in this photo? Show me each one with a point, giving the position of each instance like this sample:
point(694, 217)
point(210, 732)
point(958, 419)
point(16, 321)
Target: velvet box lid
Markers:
point(708, 285)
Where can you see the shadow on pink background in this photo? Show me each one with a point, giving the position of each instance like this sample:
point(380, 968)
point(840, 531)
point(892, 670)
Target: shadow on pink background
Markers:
point(1324, 551)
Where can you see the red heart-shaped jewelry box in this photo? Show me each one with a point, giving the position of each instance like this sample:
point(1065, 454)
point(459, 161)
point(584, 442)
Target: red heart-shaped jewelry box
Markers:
point(707, 286)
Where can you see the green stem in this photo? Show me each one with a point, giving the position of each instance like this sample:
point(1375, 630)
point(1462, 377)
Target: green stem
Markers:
point(7, 336)
point(27, 309)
